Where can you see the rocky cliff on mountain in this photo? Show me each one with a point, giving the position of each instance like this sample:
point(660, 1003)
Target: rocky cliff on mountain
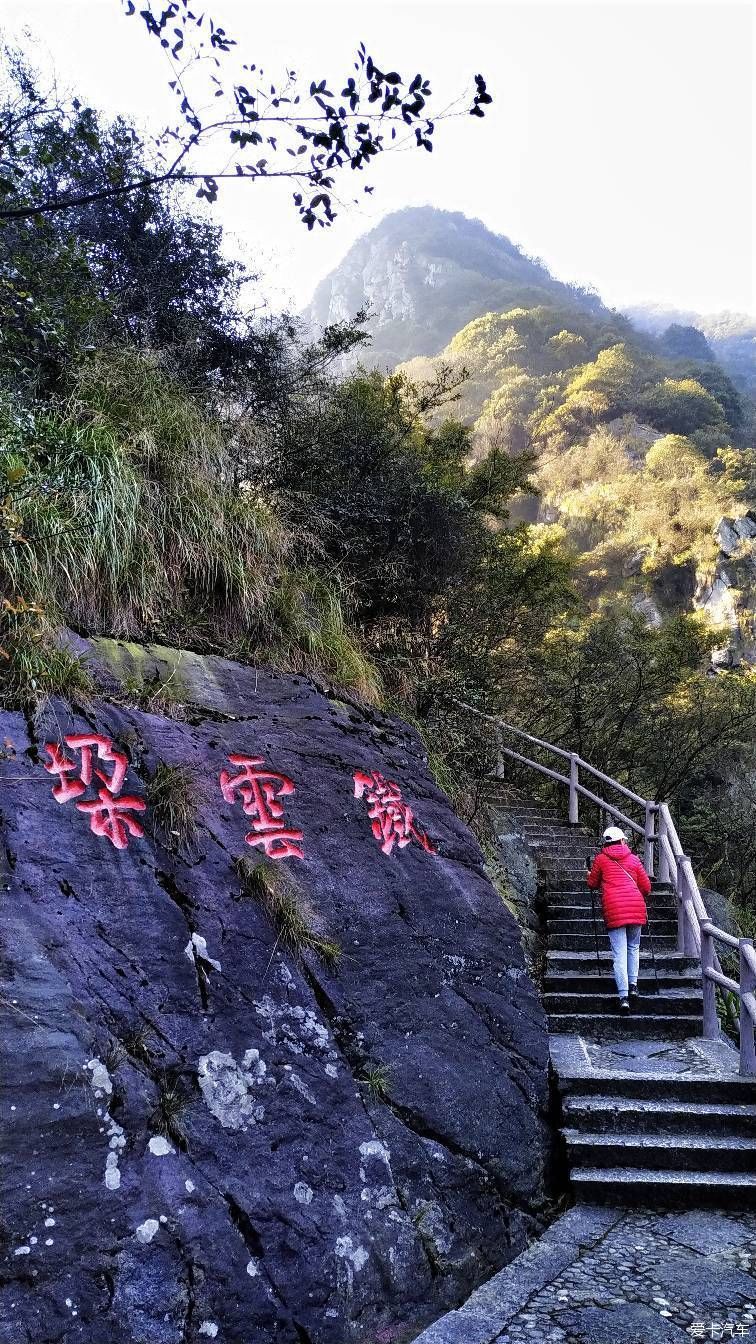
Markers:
point(423, 273)
point(727, 595)
point(300, 1098)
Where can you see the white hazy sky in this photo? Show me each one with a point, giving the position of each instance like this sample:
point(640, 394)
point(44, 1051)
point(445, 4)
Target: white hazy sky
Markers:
point(619, 147)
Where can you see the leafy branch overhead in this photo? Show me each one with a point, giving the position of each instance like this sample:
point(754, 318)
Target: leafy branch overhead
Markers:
point(233, 123)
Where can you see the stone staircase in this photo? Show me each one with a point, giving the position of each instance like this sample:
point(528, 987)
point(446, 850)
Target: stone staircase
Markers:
point(650, 1111)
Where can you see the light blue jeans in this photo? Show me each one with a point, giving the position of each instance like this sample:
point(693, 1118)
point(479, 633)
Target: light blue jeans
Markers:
point(625, 943)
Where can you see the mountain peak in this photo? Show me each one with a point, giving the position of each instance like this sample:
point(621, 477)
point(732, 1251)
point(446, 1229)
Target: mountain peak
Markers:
point(424, 273)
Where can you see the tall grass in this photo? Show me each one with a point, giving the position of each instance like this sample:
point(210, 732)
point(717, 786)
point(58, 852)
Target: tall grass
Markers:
point(121, 517)
point(33, 663)
point(171, 797)
point(287, 908)
point(306, 632)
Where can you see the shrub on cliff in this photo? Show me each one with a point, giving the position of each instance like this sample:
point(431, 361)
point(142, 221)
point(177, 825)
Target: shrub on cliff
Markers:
point(127, 522)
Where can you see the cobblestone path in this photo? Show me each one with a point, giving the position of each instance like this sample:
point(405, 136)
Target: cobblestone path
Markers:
point(619, 1276)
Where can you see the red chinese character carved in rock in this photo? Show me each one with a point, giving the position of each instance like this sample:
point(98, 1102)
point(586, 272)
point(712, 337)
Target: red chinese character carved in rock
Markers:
point(260, 790)
point(111, 817)
point(108, 818)
point(85, 742)
point(392, 820)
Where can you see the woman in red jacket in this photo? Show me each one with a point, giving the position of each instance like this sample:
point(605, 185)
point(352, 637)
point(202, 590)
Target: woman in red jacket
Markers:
point(624, 885)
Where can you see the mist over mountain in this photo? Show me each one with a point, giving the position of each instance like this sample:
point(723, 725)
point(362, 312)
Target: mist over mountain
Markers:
point(731, 336)
point(424, 273)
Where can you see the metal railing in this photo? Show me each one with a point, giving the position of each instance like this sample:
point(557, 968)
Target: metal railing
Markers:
point(664, 857)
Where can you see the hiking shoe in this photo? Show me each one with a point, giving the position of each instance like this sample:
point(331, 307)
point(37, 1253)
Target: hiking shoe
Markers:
point(634, 995)
point(624, 1005)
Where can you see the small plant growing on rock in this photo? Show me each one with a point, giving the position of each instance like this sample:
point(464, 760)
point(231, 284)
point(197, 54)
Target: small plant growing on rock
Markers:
point(287, 908)
point(169, 1114)
point(34, 665)
point(171, 796)
point(376, 1079)
point(114, 1055)
point(136, 1042)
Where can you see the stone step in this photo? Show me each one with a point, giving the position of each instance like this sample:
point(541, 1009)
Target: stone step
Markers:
point(583, 923)
point(659, 890)
point(562, 982)
point(548, 858)
point(671, 1002)
point(584, 914)
point(662, 1152)
point(562, 960)
point(646, 1115)
point(558, 910)
point(533, 821)
point(558, 831)
point(584, 942)
point(643, 1185)
point(615, 1025)
point(521, 808)
point(659, 904)
point(660, 1085)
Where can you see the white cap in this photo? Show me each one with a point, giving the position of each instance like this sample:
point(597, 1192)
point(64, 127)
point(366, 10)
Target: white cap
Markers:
point(612, 834)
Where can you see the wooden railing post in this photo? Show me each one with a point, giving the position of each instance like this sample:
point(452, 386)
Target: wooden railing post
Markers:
point(664, 870)
point(574, 795)
point(648, 840)
point(747, 1037)
point(710, 1017)
point(686, 942)
point(682, 919)
point(499, 752)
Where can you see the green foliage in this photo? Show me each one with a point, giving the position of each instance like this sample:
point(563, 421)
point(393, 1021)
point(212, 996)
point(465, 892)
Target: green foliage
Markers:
point(171, 797)
point(396, 509)
point(680, 406)
point(504, 605)
point(627, 448)
point(34, 665)
point(122, 518)
point(613, 690)
point(306, 632)
point(376, 1080)
point(287, 908)
point(630, 507)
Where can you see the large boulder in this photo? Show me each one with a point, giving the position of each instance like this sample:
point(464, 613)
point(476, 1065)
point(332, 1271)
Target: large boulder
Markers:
point(309, 1107)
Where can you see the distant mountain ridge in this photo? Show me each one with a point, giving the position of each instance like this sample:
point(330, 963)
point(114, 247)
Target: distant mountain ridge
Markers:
point(424, 273)
point(732, 336)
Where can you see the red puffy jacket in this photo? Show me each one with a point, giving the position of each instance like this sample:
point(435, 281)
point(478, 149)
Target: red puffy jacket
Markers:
point(624, 882)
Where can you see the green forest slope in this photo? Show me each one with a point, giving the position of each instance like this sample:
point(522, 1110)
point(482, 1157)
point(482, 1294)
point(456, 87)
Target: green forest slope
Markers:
point(635, 455)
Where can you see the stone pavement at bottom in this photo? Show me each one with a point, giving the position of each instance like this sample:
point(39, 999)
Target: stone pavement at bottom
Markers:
point(619, 1276)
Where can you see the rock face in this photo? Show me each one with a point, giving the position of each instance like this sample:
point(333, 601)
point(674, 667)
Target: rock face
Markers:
point(207, 1134)
point(424, 274)
point(727, 596)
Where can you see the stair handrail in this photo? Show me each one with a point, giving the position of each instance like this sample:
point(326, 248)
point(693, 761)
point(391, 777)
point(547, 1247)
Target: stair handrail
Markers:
point(662, 848)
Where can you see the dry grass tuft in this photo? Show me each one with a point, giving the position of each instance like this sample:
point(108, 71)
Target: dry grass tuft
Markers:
point(287, 908)
point(171, 796)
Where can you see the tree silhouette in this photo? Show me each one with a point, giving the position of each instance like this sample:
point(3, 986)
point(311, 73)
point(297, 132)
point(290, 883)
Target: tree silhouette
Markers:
point(234, 123)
